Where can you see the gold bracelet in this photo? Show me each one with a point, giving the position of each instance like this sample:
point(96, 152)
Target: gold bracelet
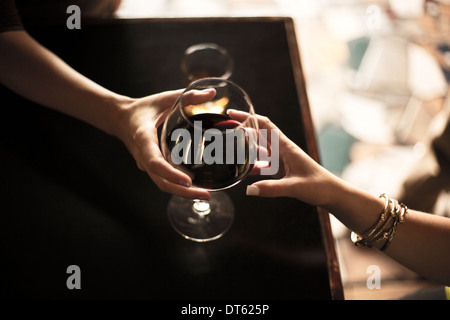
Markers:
point(384, 229)
point(358, 240)
point(383, 216)
point(378, 230)
point(399, 219)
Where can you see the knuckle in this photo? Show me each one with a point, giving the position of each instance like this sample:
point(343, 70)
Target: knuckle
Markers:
point(141, 135)
point(265, 120)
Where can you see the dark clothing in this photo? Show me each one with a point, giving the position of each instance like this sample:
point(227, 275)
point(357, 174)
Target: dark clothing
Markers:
point(9, 17)
point(13, 12)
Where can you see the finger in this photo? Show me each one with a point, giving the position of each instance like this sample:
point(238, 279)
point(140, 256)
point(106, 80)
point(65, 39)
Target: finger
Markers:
point(154, 163)
point(182, 191)
point(238, 115)
point(263, 121)
point(263, 152)
point(164, 101)
point(164, 175)
point(256, 170)
point(158, 166)
point(168, 98)
point(264, 144)
point(194, 97)
point(162, 117)
point(269, 188)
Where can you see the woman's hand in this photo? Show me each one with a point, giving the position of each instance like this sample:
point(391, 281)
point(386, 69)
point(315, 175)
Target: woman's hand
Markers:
point(137, 125)
point(299, 176)
point(421, 244)
point(32, 71)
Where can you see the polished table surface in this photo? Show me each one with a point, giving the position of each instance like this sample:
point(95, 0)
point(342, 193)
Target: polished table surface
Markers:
point(72, 195)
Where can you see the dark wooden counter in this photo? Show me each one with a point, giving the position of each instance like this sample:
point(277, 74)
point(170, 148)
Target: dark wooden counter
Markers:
point(72, 195)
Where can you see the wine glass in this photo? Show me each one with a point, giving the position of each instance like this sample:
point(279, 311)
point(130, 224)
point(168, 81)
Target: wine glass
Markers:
point(206, 60)
point(217, 151)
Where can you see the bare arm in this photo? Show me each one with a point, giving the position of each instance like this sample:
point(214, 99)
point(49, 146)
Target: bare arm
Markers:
point(422, 243)
point(34, 72)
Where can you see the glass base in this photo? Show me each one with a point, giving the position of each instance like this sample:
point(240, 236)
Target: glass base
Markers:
point(201, 221)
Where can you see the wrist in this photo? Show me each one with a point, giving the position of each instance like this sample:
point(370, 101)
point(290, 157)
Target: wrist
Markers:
point(326, 190)
point(118, 107)
point(354, 207)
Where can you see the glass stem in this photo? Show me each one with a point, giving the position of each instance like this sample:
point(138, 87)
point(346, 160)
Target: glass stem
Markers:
point(201, 207)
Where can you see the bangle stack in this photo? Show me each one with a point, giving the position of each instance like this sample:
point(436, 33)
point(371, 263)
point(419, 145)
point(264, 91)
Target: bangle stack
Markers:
point(383, 231)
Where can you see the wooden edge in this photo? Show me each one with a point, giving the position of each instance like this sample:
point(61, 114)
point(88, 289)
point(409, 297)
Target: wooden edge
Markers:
point(337, 292)
point(126, 20)
point(130, 20)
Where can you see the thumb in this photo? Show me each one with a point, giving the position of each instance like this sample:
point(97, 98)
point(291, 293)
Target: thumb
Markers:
point(268, 188)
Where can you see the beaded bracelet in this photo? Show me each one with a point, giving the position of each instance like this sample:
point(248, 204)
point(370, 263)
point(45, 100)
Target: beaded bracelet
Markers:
point(386, 226)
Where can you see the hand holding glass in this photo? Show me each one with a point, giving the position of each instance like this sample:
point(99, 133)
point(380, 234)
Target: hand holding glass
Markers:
point(215, 150)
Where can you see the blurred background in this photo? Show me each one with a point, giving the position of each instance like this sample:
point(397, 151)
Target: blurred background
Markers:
point(377, 80)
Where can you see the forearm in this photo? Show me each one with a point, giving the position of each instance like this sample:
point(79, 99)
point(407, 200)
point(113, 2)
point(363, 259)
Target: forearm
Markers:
point(34, 72)
point(422, 243)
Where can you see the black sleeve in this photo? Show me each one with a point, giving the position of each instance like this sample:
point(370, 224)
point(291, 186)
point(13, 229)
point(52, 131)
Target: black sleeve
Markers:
point(9, 17)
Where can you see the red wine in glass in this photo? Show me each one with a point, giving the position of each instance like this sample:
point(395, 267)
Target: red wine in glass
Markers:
point(215, 150)
point(234, 144)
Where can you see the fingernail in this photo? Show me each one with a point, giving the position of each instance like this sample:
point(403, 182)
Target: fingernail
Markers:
point(185, 183)
point(252, 191)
